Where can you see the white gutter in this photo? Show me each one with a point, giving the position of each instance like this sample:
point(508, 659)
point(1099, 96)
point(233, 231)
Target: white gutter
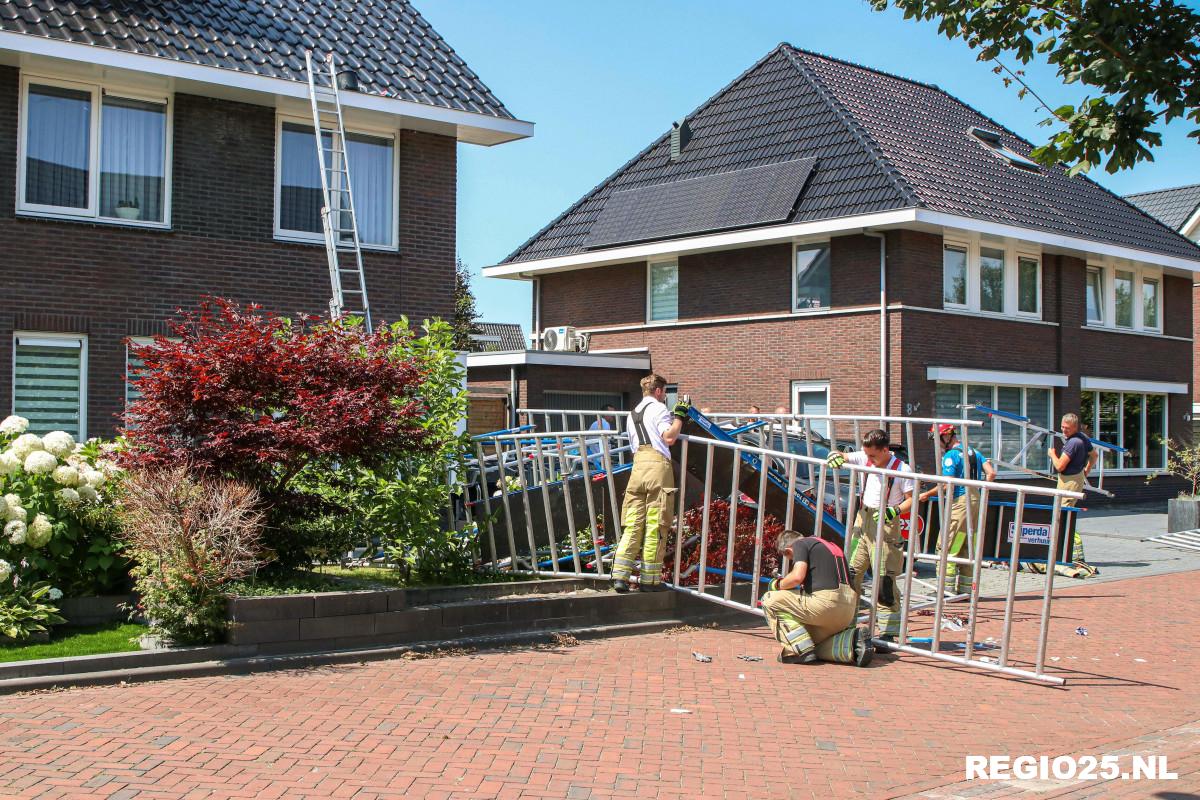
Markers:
point(551, 358)
point(1003, 377)
point(1122, 385)
point(772, 234)
point(474, 127)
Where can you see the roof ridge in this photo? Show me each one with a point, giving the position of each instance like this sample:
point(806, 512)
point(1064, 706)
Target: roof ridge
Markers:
point(621, 169)
point(856, 128)
point(1162, 191)
point(856, 65)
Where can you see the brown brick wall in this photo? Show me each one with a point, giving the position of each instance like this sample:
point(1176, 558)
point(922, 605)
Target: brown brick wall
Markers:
point(108, 282)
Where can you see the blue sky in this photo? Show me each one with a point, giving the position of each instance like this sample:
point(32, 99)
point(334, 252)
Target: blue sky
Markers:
point(601, 80)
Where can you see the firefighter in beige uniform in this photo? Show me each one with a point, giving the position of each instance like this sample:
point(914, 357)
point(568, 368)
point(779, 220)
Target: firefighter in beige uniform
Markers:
point(649, 497)
point(811, 610)
point(873, 506)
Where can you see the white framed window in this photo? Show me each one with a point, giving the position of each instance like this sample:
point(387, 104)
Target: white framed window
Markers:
point(133, 363)
point(811, 277)
point(992, 141)
point(1124, 296)
point(374, 173)
point(1002, 442)
point(991, 277)
point(93, 151)
point(812, 398)
point(50, 382)
point(1133, 420)
point(662, 291)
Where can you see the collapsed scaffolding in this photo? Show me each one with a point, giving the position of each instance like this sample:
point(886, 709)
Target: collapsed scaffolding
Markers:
point(564, 472)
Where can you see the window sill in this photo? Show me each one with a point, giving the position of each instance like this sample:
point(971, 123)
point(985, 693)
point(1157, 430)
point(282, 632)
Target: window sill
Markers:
point(319, 241)
point(108, 222)
point(1132, 332)
point(1029, 319)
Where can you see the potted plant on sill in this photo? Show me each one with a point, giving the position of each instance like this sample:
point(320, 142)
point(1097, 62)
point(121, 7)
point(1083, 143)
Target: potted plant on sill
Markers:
point(128, 209)
point(1183, 461)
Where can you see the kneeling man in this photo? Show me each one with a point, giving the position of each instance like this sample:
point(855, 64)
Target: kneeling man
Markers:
point(812, 608)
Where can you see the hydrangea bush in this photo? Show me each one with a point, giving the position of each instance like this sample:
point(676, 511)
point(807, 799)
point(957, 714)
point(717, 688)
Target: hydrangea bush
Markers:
point(55, 512)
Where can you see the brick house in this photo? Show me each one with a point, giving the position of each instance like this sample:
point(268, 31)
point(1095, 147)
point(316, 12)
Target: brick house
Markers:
point(155, 153)
point(815, 213)
point(1179, 208)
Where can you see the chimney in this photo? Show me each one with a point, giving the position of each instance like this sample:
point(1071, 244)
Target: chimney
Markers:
point(681, 134)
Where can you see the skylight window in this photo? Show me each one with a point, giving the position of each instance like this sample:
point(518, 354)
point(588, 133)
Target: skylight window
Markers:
point(992, 141)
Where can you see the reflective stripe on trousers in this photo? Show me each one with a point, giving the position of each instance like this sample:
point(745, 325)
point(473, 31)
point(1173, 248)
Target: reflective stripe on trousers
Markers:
point(646, 516)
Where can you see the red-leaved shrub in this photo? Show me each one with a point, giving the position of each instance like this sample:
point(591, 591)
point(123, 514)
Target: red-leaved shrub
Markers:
point(718, 536)
point(254, 397)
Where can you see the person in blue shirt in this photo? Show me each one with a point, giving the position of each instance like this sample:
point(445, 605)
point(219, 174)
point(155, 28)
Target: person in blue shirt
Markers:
point(1073, 465)
point(972, 465)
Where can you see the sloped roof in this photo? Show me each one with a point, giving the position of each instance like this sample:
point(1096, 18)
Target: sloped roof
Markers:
point(387, 42)
point(881, 142)
point(510, 335)
point(1172, 207)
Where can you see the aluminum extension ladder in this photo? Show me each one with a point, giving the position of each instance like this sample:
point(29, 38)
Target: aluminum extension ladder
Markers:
point(338, 217)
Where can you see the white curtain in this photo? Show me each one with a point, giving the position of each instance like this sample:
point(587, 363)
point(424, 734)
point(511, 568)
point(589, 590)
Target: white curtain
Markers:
point(57, 147)
point(133, 151)
point(371, 173)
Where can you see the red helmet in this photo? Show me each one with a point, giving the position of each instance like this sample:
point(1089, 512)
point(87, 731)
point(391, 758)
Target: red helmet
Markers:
point(941, 430)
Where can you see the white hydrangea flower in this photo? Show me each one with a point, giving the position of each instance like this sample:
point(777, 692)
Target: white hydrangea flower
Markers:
point(9, 463)
point(55, 595)
point(16, 532)
point(40, 531)
point(88, 494)
point(40, 462)
point(12, 499)
point(93, 477)
point(68, 496)
point(17, 513)
point(14, 425)
point(5, 570)
point(60, 443)
point(25, 444)
point(66, 475)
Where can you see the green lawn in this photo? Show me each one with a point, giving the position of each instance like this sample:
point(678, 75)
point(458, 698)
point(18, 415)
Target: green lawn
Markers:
point(115, 637)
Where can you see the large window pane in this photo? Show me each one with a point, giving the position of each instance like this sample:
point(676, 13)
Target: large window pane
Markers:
point(954, 276)
point(1131, 432)
point(1150, 303)
point(1123, 286)
point(1095, 296)
point(1037, 408)
point(1087, 412)
point(58, 147)
point(1109, 425)
point(300, 198)
point(133, 151)
point(1008, 398)
point(1028, 285)
point(991, 279)
point(664, 291)
point(812, 278)
point(371, 172)
point(981, 438)
point(949, 398)
point(47, 385)
point(1156, 431)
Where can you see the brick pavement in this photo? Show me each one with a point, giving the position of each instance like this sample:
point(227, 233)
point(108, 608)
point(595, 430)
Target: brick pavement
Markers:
point(603, 719)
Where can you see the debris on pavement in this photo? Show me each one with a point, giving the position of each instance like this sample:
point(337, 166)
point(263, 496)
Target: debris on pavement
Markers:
point(952, 624)
point(703, 659)
point(750, 658)
point(682, 711)
point(678, 629)
point(1081, 631)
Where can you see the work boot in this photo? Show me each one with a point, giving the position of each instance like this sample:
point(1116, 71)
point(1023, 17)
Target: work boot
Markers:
point(788, 657)
point(620, 586)
point(863, 649)
point(651, 587)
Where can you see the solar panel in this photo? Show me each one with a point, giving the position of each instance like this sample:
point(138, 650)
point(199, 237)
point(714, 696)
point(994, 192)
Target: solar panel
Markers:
point(738, 199)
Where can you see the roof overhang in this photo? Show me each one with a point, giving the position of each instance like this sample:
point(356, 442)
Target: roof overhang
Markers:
point(1002, 377)
point(925, 219)
point(1191, 228)
point(33, 52)
point(1087, 383)
point(550, 358)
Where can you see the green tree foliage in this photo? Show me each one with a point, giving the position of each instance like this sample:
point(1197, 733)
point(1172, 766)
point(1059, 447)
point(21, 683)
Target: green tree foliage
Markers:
point(465, 314)
point(1142, 57)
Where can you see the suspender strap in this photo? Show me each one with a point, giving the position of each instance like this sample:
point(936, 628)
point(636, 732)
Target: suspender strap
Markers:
point(639, 426)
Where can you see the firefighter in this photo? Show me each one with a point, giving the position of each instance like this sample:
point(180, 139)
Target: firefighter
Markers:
point(954, 535)
point(1077, 459)
point(649, 497)
point(878, 503)
point(811, 610)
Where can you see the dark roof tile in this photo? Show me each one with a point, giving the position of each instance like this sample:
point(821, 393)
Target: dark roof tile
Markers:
point(244, 33)
point(882, 142)
point(1172, 207)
